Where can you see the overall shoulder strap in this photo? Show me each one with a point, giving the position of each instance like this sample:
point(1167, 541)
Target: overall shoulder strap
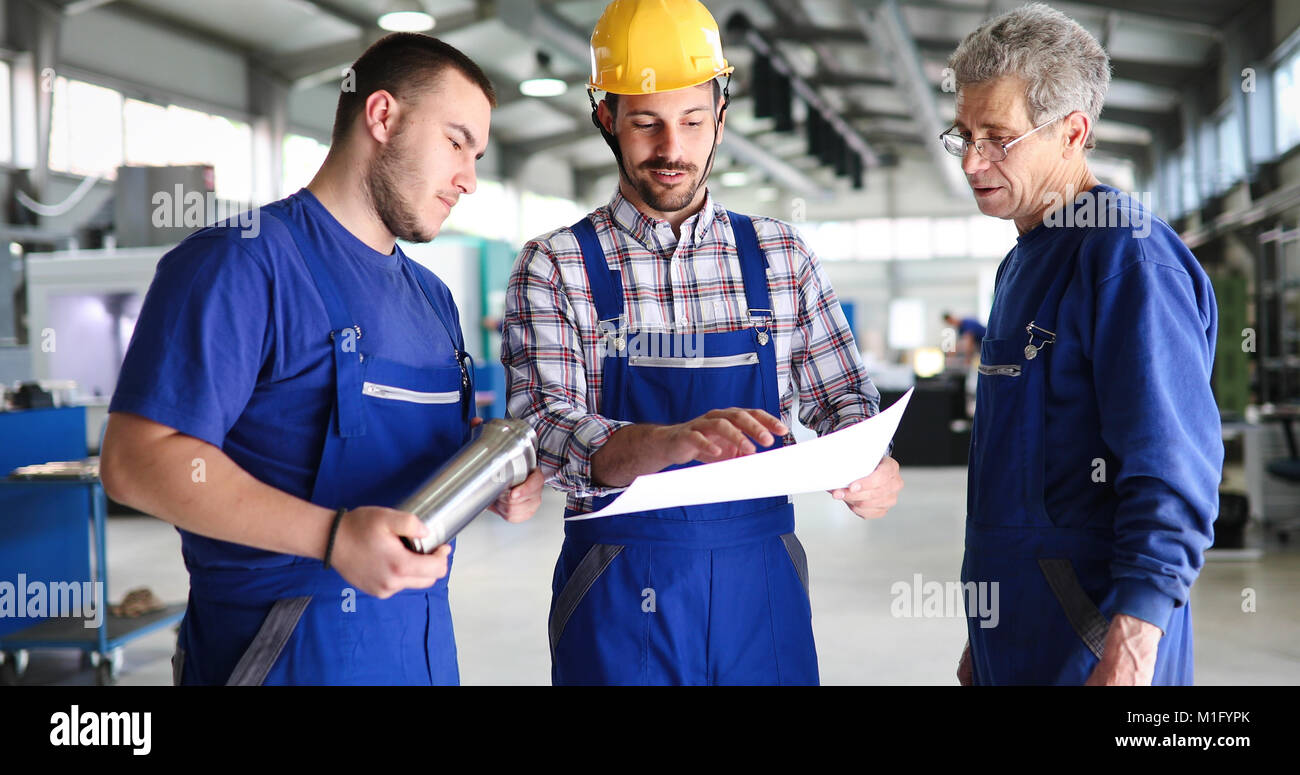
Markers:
point(444, 316)
point(753, 262)
point(347, 358)
point(606, 286)
point(463, 359)
point(337, 312)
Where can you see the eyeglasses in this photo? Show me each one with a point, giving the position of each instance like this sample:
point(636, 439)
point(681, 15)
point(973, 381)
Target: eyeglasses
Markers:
point(985, 146)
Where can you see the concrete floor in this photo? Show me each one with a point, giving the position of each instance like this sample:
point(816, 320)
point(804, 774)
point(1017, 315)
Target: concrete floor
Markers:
point(501, 593)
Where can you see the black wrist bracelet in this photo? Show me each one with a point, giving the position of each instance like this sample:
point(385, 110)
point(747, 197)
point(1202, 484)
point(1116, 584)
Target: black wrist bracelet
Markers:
point(334, 531)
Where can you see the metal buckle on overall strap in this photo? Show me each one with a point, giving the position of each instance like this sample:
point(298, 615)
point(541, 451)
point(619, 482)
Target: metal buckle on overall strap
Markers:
point(614, 331)
point(1048, 337)
point(353, 327)
point(764, 327)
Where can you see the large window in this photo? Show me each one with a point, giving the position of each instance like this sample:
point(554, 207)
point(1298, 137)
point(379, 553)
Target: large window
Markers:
point(1286, 95)
point(94, 130)
point(991, 237)
point(147, 138)
point(302, 158)
point(912, 238)
point(492, 211)
point(1170, 204)
point(875, 240)
point(1191, 199)
point(540, 214)
point(6, 116)
point(172, 135)
point(86, 129)
point(906, 239)
point(1115, 172)
point(1207, 147)
point(832, 240)
point(1232, 157)
point(950, 237)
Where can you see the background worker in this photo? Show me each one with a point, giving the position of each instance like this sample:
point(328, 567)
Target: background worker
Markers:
point(970, 332)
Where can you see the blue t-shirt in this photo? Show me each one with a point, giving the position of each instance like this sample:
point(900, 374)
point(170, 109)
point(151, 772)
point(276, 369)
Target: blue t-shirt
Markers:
point(1128, 383)
point(232, 345)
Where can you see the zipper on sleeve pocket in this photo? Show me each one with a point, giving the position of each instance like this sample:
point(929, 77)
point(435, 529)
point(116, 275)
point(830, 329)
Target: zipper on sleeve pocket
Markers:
point(1000, 371)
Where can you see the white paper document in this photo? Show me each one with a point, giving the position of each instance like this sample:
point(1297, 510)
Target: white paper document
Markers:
point(832, 461)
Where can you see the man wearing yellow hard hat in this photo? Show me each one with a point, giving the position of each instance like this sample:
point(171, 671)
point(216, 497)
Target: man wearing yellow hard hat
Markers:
point(664, 331)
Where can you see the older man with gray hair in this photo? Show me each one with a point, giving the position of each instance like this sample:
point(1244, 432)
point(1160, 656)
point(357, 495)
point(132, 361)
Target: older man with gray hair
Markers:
point(1096, 450)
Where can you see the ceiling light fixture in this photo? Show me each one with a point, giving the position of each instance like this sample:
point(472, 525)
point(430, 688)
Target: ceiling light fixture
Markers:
point(544, 83)
point(406, 17)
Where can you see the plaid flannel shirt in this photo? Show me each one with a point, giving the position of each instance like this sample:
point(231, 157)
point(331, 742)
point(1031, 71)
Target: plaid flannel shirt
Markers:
point(686, 285)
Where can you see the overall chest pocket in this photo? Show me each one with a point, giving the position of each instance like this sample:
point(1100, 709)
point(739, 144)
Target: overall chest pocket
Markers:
point(1001, 358)
point(1007, 420)
point(415, 421)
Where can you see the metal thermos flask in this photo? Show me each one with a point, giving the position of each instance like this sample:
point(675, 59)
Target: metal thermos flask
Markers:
point(502, 456)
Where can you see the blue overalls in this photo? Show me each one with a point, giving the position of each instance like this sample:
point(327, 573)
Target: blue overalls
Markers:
point(298, 623)
point(712, 594)
point(1055, 591)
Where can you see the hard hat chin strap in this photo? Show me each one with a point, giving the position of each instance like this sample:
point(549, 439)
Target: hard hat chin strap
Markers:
point(612, 141)
point(717, 128)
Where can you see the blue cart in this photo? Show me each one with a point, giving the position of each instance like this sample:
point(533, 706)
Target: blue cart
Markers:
point(62, 555)
point(52, 537)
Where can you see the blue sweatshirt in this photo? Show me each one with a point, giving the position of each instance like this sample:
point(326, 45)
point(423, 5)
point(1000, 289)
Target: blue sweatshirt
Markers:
point(1128, 383)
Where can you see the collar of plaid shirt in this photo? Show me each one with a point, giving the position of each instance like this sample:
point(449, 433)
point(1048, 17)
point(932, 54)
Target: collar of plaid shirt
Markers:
point(657, 234)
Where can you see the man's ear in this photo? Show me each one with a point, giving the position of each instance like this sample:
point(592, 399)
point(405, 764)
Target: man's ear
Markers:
point(380, 115)
point(1076, 127)
point(604, 116)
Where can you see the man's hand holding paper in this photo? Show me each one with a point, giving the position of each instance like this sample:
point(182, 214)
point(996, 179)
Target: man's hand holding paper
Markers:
point(837, 462)
point(873, 495)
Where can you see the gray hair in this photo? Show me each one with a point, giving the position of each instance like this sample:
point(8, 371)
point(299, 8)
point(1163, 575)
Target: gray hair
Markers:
point(1066, 69)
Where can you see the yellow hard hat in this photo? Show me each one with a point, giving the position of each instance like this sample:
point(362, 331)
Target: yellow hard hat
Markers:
point(646, 46)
